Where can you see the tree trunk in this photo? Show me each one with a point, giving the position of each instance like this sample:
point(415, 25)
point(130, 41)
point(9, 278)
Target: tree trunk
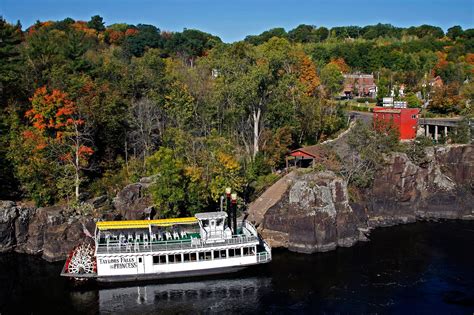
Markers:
point(77, 180)
point(256, 131)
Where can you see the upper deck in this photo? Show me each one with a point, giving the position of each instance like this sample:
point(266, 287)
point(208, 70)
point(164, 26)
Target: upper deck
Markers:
point(144, 236)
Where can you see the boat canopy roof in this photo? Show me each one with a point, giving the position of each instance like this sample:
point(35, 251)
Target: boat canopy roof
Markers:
point(142, 224)
point(211, 215)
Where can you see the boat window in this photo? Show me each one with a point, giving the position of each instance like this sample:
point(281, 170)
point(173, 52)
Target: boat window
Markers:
point(205, 223)
point(231, 252)
point(246, 251)
point(159, 259)
point(208, 255)
point(223, 253)
point(201, 256)
point(140, 259)
point(193, 256)
point(178, 258)
point(171, 259)
point(252, 250)
point(219, 222)
point(216, 254)
point(213, 223)
point(238, 252)
point(186, 257)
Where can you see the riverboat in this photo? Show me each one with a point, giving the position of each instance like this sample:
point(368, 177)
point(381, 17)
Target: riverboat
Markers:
point(205, 244)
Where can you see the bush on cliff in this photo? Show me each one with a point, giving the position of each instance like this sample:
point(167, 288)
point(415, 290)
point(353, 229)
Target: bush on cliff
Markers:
point(366, 153)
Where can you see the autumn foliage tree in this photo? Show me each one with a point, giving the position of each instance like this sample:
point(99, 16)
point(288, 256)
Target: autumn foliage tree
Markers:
point(57, 128)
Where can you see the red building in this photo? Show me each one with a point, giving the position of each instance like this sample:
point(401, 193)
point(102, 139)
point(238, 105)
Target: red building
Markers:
point(404, 119)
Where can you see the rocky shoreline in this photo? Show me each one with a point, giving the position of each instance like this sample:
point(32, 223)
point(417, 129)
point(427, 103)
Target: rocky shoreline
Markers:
point(316, 213)
point(53, 231)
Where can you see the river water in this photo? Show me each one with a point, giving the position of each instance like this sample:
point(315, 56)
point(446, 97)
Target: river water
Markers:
point(421, 268)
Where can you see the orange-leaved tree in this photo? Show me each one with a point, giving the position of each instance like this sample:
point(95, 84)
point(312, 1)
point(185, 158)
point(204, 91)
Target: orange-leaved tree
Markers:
point(307, 74)
point(58, 128)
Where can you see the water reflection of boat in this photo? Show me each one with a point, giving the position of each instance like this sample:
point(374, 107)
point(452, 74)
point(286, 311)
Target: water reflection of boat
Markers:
point(212, 295)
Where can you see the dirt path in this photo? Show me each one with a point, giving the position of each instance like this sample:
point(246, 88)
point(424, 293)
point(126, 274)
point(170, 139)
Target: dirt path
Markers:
point(271, 196)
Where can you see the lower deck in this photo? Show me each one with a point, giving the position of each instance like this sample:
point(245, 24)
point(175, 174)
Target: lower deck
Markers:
point(181, 261)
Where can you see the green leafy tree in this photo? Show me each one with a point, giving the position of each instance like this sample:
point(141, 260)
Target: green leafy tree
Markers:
point(10, 59)
point(96, 22)
point(412, 100)
point(169, 187)
point(454, 32)
point(332, 79)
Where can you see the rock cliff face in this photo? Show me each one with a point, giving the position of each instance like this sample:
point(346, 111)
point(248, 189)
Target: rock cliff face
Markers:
point(132, 202)
point(53, 232)
point(440, 188)
point(315, 213)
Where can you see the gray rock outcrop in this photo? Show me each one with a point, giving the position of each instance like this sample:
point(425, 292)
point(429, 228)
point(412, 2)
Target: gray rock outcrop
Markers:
point(132, 202)
point(317, 214)
point(313, 215)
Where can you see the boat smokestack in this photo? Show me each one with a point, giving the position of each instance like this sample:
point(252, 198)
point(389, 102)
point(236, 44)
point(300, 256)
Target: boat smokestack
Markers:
point(234, 212)
point(228, 191)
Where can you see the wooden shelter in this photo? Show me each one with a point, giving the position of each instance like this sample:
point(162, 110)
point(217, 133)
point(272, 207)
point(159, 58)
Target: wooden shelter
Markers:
point(304, 156)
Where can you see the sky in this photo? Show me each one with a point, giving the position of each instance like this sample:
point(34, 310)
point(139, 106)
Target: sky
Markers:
point(233, 20)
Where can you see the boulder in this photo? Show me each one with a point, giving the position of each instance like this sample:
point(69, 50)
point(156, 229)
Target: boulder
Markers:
point(43, 219)
point(313, 215)
point(60, 239)
point(132, 202)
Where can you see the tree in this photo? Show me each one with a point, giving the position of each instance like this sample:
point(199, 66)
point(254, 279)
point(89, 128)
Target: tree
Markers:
point(412, 100)
point(191, 44)
point(147, 127)
point(96, 22)
point(446, 99)
point(332, 79)
point(308, 74)
point(10, 58)
point(341, 64)
point(145, 36)
point(366, 152)
point(454, 32)
point(168, 190)
point(303, 34)
point(57, 127)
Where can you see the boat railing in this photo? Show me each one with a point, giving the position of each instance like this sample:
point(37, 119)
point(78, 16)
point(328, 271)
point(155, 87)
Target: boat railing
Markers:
point(144, 247)
point(249, 227)
point(264, 257)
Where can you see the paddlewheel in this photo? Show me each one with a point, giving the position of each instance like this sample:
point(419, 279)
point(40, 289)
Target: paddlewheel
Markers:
point(81, 261)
